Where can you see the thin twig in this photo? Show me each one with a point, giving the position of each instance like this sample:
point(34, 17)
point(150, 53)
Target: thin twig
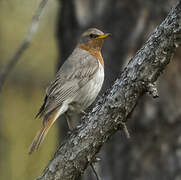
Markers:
point(24, 45)
point(93, 169)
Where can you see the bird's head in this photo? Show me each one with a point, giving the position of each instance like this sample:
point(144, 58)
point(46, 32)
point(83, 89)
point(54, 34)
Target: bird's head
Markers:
point(92, 39)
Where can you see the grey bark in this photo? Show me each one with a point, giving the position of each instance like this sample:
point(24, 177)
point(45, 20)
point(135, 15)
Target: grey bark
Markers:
point(114, 107)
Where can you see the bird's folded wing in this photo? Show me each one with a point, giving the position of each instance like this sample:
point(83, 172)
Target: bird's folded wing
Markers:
point(77, 70)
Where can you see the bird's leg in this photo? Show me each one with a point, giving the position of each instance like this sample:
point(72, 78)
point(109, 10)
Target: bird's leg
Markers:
point(68, 122)
point(82, 112)
point(77, 108)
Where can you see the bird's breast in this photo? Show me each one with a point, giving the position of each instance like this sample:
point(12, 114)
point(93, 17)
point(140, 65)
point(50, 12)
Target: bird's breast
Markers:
point(90, 91)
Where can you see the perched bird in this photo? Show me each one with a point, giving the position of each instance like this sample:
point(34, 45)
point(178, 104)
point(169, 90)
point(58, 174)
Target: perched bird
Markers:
point(76, 85)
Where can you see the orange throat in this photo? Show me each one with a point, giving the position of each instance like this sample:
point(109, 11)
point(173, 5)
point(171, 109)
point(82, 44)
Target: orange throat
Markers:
point(94, 52)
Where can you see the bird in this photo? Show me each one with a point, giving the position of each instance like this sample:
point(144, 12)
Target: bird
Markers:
point(76, 84)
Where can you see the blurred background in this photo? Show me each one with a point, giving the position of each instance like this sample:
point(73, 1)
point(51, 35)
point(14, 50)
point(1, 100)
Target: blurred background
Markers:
point(153, 152)
point(23, 92)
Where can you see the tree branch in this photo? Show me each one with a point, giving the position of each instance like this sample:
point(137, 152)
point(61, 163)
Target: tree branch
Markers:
point(24, 45)
point(113, 108)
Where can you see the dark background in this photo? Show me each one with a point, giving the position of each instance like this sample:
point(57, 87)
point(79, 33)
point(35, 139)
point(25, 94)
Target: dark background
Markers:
point(154, 150)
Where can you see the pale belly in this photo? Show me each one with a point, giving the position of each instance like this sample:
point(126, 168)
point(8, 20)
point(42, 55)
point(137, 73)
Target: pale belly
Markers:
point(89, 92)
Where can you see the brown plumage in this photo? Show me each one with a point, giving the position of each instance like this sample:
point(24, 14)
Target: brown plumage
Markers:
point(96, 53)
point(42, 133)
point(76, 85)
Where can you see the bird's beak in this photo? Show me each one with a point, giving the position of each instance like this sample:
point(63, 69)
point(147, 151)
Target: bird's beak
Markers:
point(103, 36)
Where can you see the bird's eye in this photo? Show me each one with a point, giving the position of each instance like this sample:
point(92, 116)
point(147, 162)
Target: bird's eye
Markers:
point(93, 35)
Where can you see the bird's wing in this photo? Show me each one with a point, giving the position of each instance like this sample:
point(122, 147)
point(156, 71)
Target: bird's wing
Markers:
point(77, 70)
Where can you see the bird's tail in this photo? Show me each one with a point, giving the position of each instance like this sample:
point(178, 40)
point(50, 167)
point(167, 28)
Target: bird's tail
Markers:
point(42, 133)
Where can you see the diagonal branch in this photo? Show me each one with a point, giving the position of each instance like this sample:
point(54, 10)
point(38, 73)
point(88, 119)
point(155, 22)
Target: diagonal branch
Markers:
point(113, 108)
point(24, 45)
